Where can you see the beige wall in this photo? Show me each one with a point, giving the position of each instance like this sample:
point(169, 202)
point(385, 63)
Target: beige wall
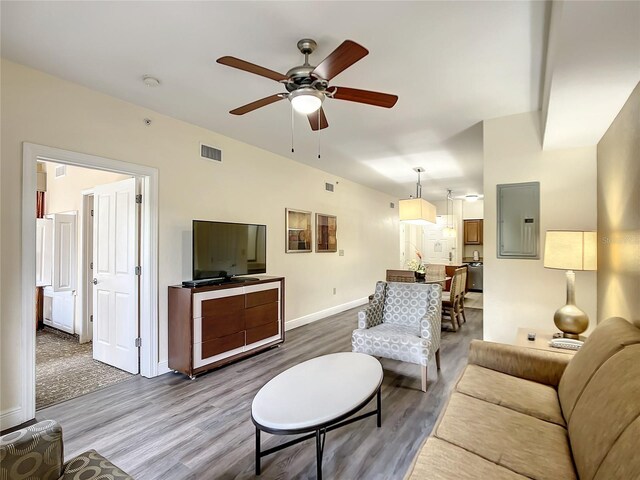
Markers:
point(522, 293)
point(64, 194)
point(619, 214)
point(252, 185)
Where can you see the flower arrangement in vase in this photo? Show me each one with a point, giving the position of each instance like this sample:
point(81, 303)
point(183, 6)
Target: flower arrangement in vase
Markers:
point(417, 266)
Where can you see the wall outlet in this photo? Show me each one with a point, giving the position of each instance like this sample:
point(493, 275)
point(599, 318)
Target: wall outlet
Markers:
point(341, 253)
point(334, 290)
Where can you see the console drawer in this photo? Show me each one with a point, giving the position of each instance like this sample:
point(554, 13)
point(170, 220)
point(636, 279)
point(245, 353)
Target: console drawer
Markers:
point(216, 327)
point(256, 316)
point(223, 308)
point(260, 333)
point(254, 299)
point(221, 345)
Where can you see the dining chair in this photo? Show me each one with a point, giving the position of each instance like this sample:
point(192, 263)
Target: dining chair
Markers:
point(404, 276)
point(450, 304)
point(435, 272)
point(462, 288)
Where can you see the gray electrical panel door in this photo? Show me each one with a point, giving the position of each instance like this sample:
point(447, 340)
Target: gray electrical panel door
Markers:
point(519, 220)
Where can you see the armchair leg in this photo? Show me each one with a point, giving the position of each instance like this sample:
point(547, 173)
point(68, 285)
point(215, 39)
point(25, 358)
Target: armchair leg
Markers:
point(423, 369)
point(438, 359)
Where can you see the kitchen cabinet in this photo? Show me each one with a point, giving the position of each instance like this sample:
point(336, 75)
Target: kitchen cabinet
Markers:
point(473, 232)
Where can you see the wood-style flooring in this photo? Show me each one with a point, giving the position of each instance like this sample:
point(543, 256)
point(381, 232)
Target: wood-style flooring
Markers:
point(170, 427)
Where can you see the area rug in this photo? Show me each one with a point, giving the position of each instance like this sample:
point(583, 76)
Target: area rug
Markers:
point(66, 369)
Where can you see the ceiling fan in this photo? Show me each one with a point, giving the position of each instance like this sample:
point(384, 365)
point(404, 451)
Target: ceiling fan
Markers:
point(308, 86)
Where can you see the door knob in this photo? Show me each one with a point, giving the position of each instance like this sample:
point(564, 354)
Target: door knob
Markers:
point(95, 281)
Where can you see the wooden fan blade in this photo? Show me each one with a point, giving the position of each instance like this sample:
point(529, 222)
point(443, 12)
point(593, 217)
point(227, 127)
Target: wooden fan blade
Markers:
point(364, 96)
point(263, 102)
point(340, 59)
point(251, 68)
point(313, 120)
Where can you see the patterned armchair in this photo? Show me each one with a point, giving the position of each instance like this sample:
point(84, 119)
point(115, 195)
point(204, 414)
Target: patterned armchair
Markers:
point(36, 452)
point(402, 322)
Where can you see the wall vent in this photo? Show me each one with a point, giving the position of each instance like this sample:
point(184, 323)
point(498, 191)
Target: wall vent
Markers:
point(392, 205)
point(328, 187)
point(210, 153)
point(61, 171)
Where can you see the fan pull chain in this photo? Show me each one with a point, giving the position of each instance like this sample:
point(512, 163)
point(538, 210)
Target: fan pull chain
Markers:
point(292, 150)
point(319, 130)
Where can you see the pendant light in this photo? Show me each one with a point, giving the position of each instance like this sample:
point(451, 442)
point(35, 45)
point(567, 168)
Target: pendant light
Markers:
point(449, 231)
point(417, 210)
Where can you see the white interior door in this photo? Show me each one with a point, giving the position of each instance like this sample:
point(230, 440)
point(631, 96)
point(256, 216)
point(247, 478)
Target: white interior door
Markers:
point(65, 254)
point(44, 251)
point(115, 284)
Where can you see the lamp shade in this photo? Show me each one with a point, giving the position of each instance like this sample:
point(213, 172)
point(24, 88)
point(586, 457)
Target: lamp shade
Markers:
point(417, 211)
point(570, 250)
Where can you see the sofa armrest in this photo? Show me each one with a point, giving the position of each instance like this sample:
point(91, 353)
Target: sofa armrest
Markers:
point(431, 322)
point(372, 315)
point(528, 363)
point(41, 442)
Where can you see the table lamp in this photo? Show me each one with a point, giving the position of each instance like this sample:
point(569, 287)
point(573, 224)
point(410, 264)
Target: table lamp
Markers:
point(570, 251)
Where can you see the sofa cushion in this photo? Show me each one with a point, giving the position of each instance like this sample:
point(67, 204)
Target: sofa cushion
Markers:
point(440, 460)
point(606, 408)
point(622, 462)
point(610, 337)
point(90, 465)
point(508, 438)
point(524, 396)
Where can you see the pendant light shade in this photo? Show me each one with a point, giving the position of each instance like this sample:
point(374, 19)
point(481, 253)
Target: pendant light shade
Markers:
point(417, 211)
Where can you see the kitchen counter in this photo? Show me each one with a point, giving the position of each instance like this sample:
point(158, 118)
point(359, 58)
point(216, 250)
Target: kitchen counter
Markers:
point(470, 259)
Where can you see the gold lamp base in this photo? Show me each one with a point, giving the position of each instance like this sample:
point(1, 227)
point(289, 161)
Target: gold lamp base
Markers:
point(570, 319)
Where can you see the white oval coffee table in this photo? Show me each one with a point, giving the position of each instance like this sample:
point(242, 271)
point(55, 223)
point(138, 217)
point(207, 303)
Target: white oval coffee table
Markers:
point(318, 396)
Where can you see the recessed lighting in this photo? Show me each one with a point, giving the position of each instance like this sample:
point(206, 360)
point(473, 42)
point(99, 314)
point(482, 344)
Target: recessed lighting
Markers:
point(150, 81)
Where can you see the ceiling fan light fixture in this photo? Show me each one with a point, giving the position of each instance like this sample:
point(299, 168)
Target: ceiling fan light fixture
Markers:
point(306, 100)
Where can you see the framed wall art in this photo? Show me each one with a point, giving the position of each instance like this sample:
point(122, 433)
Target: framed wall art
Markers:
point(326, 230)
point(298, 231)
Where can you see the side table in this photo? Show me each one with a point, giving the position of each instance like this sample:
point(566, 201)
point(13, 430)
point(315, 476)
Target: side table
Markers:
point(541, 342)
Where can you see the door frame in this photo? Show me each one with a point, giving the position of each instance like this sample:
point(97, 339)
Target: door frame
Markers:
point(86, 332)
point(149, 326)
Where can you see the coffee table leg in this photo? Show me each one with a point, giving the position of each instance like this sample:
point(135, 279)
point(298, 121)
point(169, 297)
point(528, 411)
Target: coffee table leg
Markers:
point(379, 398)
point(319, 451)
point(257, 451)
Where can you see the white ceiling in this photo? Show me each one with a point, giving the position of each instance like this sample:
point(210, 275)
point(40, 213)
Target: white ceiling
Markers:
point(452, 64)
point(593, 65)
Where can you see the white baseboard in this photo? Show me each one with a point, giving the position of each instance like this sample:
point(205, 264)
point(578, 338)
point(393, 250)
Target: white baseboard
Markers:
point(314, 317)
point(11, 418)
point(163, 367)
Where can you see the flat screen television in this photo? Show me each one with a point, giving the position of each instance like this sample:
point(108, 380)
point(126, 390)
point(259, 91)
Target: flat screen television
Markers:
point(224, 250)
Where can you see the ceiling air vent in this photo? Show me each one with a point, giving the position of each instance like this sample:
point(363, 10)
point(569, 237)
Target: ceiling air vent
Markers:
point(328, 187)
point(210, 153)
point(61, 171)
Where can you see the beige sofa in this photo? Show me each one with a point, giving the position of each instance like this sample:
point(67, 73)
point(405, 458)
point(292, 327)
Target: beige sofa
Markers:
point(520, 413)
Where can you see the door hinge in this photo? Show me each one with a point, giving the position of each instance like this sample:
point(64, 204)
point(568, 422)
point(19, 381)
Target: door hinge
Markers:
point(91, 265)
point(138, 342)
point(139, 198)
point(91, 318)
point(92, 212)
point(138, 270)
